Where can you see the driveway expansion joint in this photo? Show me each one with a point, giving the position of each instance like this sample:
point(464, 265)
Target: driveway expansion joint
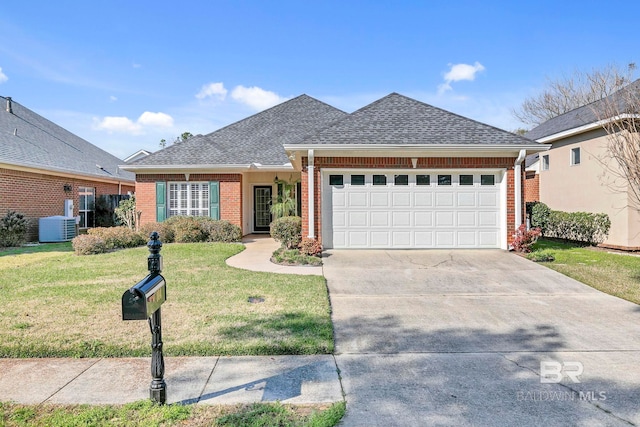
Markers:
point(72, 380)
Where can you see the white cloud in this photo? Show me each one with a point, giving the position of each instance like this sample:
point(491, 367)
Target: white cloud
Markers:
point(3, 76)
point(255, 97)
point(459, 72)
point(118, 124)
point(155, 119)
point(134, 65)
point(113, 98)
point(212, 90)
point(121, 124)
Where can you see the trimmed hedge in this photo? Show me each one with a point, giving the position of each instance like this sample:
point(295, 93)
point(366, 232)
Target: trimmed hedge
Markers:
point(117, 237)
point(88, 244)
point(186, 229)
point(220, 230)
point(578, 226)
point(287, 230)
point(540, 216)
point(162, 228)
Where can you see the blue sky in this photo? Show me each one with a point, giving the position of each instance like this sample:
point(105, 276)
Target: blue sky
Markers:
point(126, 74)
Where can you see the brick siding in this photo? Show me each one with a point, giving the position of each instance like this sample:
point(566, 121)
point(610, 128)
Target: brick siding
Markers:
point(532, 187)
point(230, 194)
point(37, 195)
point(403, 163)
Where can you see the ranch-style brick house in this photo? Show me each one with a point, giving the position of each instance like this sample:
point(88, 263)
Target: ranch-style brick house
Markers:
point(44, 166)
point(397, 173)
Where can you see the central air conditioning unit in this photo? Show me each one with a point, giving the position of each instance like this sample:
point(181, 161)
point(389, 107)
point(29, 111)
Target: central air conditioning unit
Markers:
point(56, 229)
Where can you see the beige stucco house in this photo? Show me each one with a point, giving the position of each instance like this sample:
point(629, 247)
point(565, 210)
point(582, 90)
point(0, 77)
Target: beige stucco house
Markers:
point(577, 173)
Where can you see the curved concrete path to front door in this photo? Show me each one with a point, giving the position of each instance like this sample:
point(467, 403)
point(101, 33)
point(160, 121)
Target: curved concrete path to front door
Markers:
point(458, 338)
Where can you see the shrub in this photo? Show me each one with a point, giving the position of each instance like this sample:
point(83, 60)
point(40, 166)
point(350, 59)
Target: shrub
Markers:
point(117, 237)
point(287, 230)
point(87, 244)
point(164, 230)
point(285, 256)
point(13, 229)
point(310, 247)
point(541, 256)
point(578, 226)
point(220, 230)
point(524, 239)
point(187, 229)
point(127, 214)
point(540, 216)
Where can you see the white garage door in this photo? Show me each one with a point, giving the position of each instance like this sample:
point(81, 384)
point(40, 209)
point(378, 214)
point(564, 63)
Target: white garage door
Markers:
point(441, 209)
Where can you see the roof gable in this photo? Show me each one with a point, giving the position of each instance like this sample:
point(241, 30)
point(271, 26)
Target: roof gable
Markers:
point(29, 140)
point(399, 120)
point(584, 115)
point(257, 139)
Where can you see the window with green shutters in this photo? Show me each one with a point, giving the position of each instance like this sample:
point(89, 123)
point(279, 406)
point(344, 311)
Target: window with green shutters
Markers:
point(187, 199)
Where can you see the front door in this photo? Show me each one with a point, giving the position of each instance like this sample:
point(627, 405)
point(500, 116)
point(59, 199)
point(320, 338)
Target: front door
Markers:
point(261, 208)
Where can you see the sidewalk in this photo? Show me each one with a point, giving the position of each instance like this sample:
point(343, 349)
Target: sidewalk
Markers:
point(201, 380)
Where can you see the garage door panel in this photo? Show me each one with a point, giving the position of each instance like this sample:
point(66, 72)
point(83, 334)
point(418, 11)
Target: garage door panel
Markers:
point(444, 199)
point(414, 215)
point(401, 200)
point(423, 218)
point(444, 219)
point(380, 239)
point(466, 199)
point(422, 199)
point(401, 219)
point(466, 219)
point(357, 219)
point(380, 200)
point(379, 219)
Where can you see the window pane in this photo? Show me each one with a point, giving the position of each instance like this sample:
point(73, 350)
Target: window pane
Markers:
point(401, 180)
point(575, 156)
point(545, 162)
point(444, 179)
point(335, 180)
point(487, 180)
point(423, 179)
point(379, 180)
point(466, 179)
point(357, 179)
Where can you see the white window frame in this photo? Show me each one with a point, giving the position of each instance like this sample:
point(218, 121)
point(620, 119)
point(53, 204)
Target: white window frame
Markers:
point(88, 195)
point(575, 157)
point(188, 199)
point(544, 162)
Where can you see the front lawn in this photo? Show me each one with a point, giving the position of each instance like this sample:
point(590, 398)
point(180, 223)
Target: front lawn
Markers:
point(616, 274)
point(57, 304)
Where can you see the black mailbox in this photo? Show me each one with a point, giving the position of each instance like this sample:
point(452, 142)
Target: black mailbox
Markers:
point(142, 300)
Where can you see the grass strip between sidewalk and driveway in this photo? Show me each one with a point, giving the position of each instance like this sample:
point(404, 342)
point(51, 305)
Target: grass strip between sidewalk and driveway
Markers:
point(614, 273)
point(57, 304)
point(148, 414)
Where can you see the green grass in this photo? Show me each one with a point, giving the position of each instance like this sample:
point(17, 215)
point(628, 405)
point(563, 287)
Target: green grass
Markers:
point(616, 274)
point(147, 414)
point(294, 257)
point(57, 304)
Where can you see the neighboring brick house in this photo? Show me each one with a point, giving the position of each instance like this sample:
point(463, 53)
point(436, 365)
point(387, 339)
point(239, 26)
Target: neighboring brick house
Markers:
point(532, 178)
point(397, 173)
point(575, 174)
point(42, 165)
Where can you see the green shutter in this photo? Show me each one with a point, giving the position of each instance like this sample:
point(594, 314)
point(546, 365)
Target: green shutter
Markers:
point(161, 201)
point(214, 199)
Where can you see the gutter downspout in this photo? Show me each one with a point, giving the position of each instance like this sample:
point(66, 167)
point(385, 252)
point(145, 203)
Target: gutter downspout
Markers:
point(311, 191)
point(517, 180)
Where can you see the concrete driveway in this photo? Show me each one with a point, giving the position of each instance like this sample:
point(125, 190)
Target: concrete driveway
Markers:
point(460, 338)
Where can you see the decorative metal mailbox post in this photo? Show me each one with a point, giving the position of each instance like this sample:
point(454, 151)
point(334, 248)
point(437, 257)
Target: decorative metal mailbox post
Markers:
point(142, 302)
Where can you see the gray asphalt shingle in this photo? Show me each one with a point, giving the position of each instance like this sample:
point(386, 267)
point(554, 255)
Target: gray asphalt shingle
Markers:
point(28, 139)
point(256, 139)
point(397, 119)
point(584, 115)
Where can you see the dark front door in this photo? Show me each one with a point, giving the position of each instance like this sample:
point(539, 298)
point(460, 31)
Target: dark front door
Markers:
point(261, 208)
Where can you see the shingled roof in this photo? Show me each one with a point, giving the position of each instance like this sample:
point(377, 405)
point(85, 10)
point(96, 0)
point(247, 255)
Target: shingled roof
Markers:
point(587, 114)
point(397, 119)
point(255, 140)
point(29, 140)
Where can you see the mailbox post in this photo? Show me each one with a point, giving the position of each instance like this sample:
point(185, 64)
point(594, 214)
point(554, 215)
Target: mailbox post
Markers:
point(142, 302)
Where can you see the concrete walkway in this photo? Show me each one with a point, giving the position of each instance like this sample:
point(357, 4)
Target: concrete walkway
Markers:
point(202, 380)
point(257, 255)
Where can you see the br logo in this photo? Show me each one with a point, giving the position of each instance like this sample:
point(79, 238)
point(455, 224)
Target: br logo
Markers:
point(552, 372)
